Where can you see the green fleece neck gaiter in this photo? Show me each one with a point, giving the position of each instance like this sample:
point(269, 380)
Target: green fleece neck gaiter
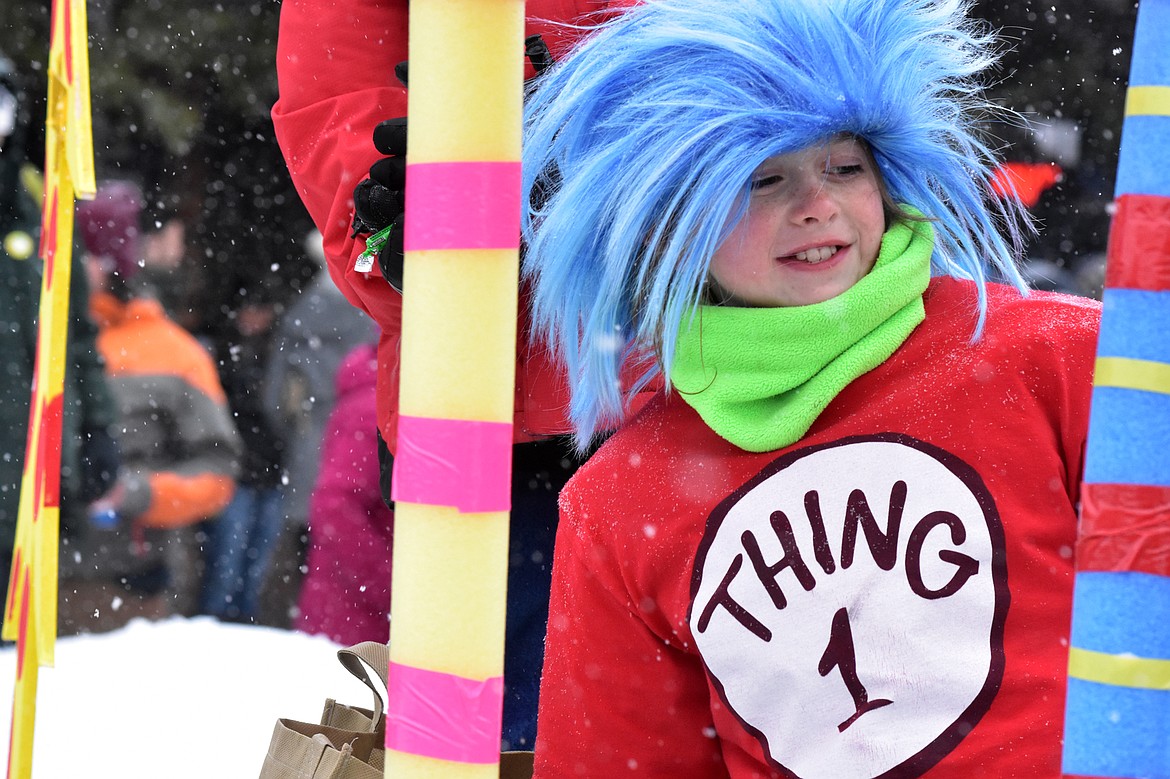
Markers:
point(759, 377)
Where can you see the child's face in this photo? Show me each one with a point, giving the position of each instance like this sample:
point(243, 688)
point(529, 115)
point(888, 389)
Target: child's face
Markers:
point(813, 228)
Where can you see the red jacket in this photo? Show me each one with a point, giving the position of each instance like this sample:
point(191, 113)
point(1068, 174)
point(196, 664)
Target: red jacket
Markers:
point(890, 596)
point(335, 64)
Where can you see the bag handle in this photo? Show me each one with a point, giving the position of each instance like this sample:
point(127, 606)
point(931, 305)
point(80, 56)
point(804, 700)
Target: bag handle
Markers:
point(376, 655)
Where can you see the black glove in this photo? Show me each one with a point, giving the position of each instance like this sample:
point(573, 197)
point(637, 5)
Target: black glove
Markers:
point(378, 201)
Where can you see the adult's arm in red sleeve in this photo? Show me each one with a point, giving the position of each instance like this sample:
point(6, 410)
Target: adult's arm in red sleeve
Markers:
point(335, 69)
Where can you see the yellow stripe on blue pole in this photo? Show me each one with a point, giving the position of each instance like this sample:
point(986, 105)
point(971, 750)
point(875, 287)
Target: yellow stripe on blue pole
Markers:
point(1147, 101)
point(1119, 670)
point(1128, 373)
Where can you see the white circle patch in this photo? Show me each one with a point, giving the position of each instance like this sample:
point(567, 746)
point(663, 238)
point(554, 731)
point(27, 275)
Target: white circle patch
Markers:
point(849, 602)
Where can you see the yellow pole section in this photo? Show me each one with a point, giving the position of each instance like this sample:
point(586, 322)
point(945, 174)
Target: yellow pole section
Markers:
point(458, 370)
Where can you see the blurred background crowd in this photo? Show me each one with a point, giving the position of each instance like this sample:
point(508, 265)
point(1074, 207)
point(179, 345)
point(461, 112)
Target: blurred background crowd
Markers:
point(221, 391)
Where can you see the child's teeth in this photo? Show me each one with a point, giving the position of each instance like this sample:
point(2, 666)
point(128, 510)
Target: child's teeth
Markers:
point(819, 254)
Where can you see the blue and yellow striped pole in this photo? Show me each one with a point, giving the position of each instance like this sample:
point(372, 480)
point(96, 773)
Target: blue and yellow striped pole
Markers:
point(452, 468)
point(1117, 722)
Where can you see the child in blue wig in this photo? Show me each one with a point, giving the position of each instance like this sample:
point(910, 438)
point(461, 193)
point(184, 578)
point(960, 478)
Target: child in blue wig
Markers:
point(838, 542)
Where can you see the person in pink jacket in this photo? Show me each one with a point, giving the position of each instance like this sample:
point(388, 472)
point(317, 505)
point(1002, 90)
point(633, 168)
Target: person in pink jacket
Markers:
point(346, 594)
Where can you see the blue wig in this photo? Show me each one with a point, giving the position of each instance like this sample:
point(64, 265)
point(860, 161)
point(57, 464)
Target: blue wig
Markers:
point(640, 147)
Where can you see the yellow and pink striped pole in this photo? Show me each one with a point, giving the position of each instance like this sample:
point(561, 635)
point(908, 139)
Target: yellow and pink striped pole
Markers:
point(452, 472)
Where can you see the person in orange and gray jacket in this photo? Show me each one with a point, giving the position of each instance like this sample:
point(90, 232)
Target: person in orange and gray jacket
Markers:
point(180, 448)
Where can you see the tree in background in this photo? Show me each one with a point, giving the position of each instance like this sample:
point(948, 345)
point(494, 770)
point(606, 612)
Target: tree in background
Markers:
point(181, 95)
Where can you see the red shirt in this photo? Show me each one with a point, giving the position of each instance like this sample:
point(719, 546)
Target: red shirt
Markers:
point(890, 596)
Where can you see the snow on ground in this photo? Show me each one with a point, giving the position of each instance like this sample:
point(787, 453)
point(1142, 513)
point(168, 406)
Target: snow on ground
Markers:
point(176, 699)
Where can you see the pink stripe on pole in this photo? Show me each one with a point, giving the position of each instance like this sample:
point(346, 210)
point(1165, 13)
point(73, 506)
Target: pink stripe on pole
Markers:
point(444, 716)
point(462, 205)
point(451, 462)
